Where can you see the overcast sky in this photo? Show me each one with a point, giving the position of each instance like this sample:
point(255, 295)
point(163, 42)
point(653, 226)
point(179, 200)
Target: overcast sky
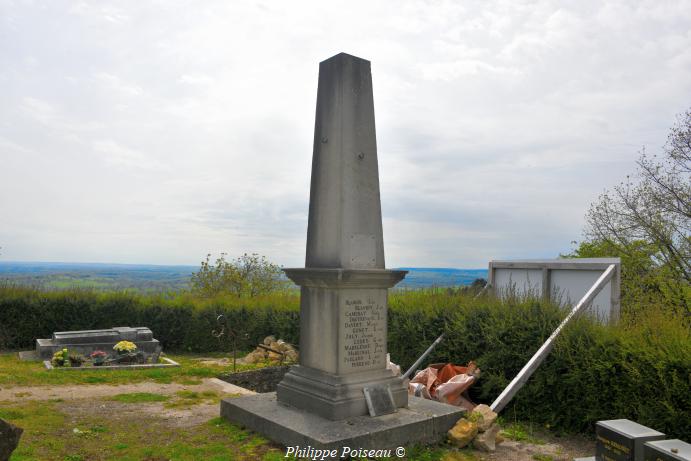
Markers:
point(159, 131)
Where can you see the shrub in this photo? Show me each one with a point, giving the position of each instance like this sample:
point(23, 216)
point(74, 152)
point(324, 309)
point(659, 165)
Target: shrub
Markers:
point(248, 275)
point(638, 370)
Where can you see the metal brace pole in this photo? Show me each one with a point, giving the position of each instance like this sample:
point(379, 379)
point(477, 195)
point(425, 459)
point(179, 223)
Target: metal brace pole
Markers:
point(533, 364)
point(418, 362)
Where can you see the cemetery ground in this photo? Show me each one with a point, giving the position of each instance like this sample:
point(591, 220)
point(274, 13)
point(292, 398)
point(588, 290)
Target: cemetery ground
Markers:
point(172, 414)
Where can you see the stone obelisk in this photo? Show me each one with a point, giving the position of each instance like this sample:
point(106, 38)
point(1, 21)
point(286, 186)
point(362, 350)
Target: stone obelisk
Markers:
point(321, 402)
point(344, 286)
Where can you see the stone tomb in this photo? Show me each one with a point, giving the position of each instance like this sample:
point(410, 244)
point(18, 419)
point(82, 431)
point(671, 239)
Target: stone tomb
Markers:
point(86, 341)
point(622, 440)
point(667, 450)
point(344, 295)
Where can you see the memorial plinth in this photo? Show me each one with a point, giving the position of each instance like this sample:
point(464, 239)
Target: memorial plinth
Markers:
point(344, 293)
point(343, 317)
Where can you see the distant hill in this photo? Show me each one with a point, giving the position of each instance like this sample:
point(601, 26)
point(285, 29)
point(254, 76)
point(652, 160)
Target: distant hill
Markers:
point(140, 277)
point(421, 277)
point(154, 278)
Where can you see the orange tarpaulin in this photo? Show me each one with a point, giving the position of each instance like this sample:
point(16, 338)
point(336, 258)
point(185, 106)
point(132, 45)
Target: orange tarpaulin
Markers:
point(446, 383)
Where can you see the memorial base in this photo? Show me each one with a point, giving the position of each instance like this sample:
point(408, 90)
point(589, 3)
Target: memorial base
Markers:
point(422, 421)
point(333, 396)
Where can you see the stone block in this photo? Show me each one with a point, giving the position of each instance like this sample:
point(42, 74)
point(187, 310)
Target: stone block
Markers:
point(488, 417)
point(422, 421)
point(622, 440)
point(9, 439)
point(463, 432)
point(487, 440)
point(667, 450)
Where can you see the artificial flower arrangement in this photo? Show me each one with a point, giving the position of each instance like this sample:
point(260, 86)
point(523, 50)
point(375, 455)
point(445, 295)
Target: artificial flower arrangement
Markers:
point(76, 360)
point(98, 357)
point(59, 358)
point(125, 347)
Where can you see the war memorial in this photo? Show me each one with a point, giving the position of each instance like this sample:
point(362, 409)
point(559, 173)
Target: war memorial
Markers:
point(342, 379)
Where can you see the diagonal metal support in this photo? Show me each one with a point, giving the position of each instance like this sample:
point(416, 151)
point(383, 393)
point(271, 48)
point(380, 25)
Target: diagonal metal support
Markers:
point(537, 359)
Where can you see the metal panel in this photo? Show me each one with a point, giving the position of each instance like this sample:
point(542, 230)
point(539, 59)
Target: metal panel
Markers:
point(563, 280)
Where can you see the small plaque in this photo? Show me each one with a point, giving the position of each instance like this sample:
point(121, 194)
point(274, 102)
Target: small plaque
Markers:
point(379, 400)
point(622, 440)
point(667, 450)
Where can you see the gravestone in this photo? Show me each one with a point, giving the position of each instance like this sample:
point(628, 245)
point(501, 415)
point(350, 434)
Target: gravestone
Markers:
point(86, 341)
point(667, 450)
point(344, 295)
point(622, 440)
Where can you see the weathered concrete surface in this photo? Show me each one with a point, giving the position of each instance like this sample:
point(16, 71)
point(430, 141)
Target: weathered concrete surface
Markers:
point(136, 366)
point(28, 356)
point(345, 227)
point(9, 439)
point(423, 421)
point(229, 388)
point(344, 286)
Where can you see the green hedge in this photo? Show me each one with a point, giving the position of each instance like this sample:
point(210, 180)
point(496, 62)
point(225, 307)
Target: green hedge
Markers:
point(641, 372)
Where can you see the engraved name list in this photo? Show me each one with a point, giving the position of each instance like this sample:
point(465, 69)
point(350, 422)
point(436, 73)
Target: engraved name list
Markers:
point(363, 337)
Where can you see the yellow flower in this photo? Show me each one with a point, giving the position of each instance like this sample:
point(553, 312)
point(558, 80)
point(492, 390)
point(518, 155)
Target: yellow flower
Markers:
point(125, 346)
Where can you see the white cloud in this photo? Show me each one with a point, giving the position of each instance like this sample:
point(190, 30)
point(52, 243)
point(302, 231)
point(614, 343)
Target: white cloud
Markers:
point(117, 155)
point(159, 131)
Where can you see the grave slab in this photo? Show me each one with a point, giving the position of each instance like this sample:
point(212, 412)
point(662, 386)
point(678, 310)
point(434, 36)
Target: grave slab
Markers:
point(136, 366)
point(86, 341)
point(422, 421)
point(28, 356)
point(622, 440)
point(667, 450)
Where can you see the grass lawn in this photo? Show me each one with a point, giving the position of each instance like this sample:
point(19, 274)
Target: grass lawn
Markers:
point(52, 433)
point(14, 372)
point(130, 424)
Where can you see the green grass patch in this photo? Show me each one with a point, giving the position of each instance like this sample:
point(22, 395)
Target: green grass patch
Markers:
point(14, 372)
point(426, 453)
point(540, 457)
point(139, 397)
point(521, 432)
point(186, 399)
point(8, 413)
point(50, 434)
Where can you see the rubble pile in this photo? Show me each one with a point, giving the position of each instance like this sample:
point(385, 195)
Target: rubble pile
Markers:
point(449, 383)
point(273, 350)
point(478, 428)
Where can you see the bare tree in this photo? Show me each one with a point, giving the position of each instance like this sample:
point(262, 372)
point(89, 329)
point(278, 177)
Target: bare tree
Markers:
point(653, 206)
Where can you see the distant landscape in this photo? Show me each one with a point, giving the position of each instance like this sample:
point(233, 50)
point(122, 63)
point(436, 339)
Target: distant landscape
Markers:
point(155, 278)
